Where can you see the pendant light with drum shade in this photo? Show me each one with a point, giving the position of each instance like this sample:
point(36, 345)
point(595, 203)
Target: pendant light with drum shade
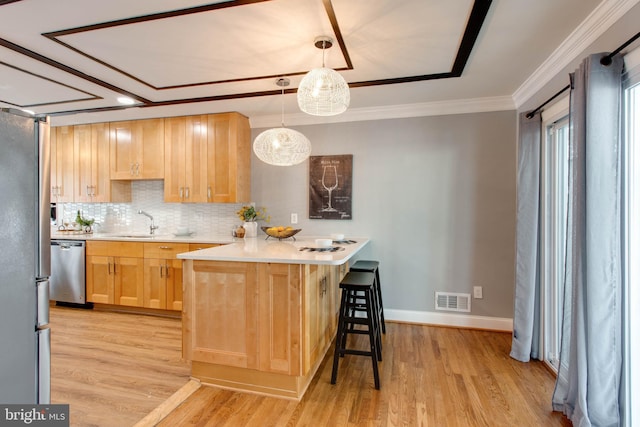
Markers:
point(282, 146)
point(323, 91)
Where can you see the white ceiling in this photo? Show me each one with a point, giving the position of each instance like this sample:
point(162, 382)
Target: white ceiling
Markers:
point(71, 59)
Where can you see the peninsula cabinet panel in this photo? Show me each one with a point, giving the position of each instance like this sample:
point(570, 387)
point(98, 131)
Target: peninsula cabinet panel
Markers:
point(229, 158)
point(220, 313)
point(137, 149)
point(319, 303)
point(62, 164)
point(280, 318)
point(261, 327)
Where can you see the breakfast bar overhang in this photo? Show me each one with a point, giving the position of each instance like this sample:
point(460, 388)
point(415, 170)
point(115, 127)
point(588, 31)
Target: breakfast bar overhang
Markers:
point(259, 316)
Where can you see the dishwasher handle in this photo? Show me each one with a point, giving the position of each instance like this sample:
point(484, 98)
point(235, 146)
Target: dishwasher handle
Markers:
point(66, 245)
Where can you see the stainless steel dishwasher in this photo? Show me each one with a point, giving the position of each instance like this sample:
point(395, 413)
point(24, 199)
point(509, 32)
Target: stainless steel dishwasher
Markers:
point(67, 284)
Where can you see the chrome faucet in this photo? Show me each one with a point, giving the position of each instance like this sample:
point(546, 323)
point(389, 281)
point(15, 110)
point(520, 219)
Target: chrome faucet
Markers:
point(152, 228)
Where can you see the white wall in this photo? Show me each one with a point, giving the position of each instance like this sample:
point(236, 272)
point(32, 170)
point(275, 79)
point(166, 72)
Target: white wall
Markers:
point(435, 194)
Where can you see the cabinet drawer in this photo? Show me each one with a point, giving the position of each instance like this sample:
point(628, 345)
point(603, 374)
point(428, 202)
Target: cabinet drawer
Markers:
point(114, 248)
point(164, 250)
point(198, 246)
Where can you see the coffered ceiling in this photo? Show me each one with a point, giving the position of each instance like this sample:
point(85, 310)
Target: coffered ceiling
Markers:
point(72, 59)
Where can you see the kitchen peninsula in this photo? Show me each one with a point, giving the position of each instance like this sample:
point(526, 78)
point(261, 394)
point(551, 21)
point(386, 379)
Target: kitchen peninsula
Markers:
point(260, 315)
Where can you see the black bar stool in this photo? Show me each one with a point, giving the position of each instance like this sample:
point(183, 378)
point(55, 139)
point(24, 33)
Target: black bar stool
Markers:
point(372, 267)
point(358, 296)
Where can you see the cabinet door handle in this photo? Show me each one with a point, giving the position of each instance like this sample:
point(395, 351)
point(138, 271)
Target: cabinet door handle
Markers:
point(166, 271)
point(181, 193)
point(131, 169)
point(208, 193)
point(109, 264)
point(164, 247)
point(161, 270)
point(186, 192)
point(114, 268)
point(137, 169)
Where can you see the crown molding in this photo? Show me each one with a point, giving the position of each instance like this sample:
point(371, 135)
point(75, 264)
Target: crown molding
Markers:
point(600, 20)
point(439, 108)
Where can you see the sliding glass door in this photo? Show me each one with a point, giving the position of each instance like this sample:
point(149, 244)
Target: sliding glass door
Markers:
point(554, 219)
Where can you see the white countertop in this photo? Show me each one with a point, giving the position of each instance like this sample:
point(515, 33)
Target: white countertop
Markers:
point(257, 249)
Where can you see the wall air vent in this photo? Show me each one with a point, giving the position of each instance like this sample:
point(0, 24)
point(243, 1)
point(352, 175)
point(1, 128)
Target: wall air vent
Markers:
point(449, 301)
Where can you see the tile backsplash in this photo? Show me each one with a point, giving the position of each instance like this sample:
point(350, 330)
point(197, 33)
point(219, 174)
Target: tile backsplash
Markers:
point(203, 218)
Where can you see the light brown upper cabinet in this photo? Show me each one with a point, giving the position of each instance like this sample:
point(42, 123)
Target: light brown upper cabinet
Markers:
point(62, 159)
point(207, 159)
point(228, 158)
point(185, 159)
point(137, 149)
point(91, 172)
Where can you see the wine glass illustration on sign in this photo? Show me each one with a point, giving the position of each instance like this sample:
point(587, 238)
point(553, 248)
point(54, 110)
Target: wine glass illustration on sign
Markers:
point(330, 183)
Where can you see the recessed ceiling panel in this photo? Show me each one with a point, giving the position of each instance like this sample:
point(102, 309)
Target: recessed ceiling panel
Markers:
point(221, 45)
point(24, 89)
point(426, 35)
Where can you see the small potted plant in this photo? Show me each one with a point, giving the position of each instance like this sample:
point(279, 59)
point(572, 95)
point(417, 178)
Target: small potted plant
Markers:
point(250, 215)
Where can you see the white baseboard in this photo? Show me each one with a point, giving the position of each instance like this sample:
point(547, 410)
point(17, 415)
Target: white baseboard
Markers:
point(448, 319)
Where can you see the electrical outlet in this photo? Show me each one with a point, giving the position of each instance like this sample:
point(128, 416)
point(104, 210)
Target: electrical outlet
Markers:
point(477, 292)
point(294, 218)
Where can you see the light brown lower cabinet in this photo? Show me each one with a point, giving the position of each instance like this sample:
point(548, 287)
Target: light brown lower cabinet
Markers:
point(163, 275)
point(114, 273)
point(137, 274)
point(262, 327)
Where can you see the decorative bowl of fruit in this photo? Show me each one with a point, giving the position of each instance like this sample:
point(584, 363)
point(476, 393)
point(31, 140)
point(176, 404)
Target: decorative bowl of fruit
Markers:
point(281, 232)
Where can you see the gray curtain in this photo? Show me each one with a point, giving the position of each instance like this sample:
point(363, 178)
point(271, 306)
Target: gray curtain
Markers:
point(588, 382)
point(526, 321)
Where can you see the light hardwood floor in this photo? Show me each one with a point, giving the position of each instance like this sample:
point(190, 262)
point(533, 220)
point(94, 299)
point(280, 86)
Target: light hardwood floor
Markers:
point(113, 368)
point(430, 376)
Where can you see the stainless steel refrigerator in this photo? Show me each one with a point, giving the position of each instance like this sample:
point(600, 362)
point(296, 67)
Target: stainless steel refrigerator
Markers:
point(24, 259)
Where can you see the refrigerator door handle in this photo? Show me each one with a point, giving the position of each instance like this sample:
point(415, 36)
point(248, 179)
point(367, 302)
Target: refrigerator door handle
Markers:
point(44, 198)
point(44, 366)
point(42, 289)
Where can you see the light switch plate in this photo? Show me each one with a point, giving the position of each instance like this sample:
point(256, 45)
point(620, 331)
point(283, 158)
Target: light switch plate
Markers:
point(294, 218)
point(477, 292)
